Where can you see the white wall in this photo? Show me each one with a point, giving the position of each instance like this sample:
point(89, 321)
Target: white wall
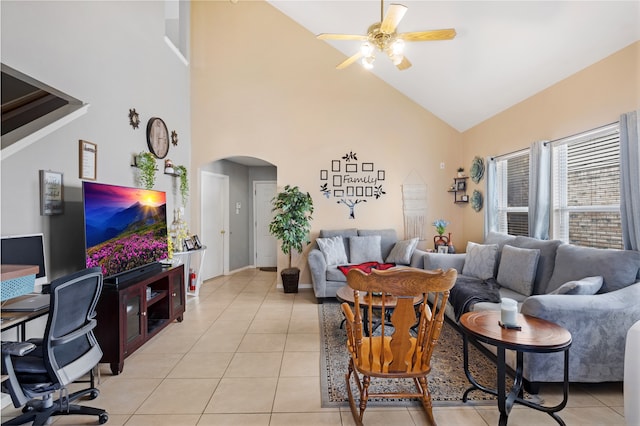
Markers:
point(113, 56)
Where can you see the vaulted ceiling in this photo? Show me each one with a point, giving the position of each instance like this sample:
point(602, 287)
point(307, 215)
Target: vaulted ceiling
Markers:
point(504, 51)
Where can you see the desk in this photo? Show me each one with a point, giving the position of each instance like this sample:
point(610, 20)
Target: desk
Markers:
point(20, 319)
point(537, 335)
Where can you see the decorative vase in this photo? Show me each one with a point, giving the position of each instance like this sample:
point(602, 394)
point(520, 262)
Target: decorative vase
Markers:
point(451, 249)
point(440, 240)
point(178, 230)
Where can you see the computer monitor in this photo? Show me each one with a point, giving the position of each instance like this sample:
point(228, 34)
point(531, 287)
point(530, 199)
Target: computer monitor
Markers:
point(26, 250)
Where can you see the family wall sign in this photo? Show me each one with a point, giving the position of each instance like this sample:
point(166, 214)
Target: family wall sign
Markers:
point(352, 182)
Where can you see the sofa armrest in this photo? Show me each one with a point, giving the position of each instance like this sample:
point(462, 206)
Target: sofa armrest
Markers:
point(444, 261)
point(417, 259)
point(318, 269)
point(598, 325)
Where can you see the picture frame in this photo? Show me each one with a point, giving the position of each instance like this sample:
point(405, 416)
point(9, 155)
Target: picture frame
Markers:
point(51, 193)
point(443, 249)
point(461, 185)
point(196, 242)
point(188, 244)
point(465, 198)
point(88, 160)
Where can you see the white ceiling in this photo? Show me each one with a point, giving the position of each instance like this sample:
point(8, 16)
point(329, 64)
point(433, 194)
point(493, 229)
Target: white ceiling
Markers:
point(504, 51)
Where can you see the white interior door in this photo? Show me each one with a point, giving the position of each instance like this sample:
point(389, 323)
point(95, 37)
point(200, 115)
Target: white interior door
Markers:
point(265, 244)
point(214, 224)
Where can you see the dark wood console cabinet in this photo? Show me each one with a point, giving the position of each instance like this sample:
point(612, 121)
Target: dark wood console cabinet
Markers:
point(128, 316)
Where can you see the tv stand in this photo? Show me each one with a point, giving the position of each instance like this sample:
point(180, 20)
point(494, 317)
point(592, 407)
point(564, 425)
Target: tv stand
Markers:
point(129, 315)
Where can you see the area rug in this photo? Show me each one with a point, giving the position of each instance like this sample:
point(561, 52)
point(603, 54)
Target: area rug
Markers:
point(447, 381)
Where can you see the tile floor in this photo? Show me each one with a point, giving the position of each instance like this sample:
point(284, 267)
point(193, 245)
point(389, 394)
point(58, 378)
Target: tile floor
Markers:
point(248, 354)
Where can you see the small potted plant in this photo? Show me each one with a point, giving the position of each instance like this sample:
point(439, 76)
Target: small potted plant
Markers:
point(291, 225)
point(182, 173)
point(460, 172)
point(146, 163)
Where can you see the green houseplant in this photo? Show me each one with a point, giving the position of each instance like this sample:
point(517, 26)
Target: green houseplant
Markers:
point(181, 171)
point(291, 225)
point(146, 163)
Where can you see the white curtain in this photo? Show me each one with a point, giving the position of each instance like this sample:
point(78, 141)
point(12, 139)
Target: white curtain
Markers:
point(630, 179)
point(539, 189)
point(491, 198)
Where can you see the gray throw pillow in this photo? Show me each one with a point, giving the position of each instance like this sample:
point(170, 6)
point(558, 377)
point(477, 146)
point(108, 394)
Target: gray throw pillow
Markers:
point(517, 269)
point(402, 251)
point(586, 286)
point(365, 249)
point(480, 260)
point(333, 250)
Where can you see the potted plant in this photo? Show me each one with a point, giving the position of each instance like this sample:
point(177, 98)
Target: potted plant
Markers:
point(181, 171)
point(460, 172)
point(291, 225)
point(146, 163)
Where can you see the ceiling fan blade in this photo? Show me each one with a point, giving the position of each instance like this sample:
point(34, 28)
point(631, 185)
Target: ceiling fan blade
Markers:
point(446, 34)
point(404, 64)
point(341, 37)
point(394, 15)
point(350, 60)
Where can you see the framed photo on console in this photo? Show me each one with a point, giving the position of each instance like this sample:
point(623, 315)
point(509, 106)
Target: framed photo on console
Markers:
point(443, 249)
point(188, 244)
point(196, 242)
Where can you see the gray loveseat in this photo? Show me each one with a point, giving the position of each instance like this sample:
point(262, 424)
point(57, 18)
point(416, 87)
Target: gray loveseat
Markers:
point(327, 278)
point(597, 311)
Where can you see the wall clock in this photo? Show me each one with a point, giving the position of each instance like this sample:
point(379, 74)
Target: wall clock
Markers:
point(157, 137)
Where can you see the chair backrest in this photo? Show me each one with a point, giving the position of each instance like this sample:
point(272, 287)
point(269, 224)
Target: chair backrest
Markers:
point(413, 300)
point(71, 349)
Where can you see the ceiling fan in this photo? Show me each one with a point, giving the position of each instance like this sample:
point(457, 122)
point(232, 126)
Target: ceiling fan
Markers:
point(383, 37)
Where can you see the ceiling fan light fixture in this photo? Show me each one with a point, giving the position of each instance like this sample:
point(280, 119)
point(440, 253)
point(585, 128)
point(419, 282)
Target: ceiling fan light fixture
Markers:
point(398, 47)
point(367, 61)
point(397, 59)
point(366, 49)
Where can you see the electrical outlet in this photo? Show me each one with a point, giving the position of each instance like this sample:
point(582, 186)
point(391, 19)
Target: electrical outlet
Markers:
point(442, 165)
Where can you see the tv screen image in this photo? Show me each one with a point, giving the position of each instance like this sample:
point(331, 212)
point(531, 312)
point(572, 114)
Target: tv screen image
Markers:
point(125, 228)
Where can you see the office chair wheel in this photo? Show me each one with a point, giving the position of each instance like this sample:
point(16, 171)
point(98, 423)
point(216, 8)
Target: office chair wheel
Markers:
point(27, 408)
point(94, 394)
point(102, 419)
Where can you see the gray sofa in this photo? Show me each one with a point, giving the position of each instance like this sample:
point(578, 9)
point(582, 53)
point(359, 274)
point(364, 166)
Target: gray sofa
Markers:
point(598, 322)
point(327, 278)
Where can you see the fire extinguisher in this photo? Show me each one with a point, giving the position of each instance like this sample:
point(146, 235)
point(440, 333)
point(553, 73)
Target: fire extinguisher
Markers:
point(192, 280)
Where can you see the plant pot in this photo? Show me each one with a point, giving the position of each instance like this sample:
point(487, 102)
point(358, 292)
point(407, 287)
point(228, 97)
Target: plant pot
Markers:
point(290, 278)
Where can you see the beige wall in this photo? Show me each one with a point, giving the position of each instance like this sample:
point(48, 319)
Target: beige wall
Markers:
point(263, 86)
point(588, 99)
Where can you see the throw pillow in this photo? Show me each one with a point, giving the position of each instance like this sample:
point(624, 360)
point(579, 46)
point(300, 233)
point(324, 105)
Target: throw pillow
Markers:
point(365, 249)
point(586, 286)
point(402, 251)
point(480, 260)
point(364, 267)
point(333, 250)
point(517, 270)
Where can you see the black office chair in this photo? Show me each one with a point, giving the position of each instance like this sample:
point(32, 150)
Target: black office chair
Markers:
point(67, 352)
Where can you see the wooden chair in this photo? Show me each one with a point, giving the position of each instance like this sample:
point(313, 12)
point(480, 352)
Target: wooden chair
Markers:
point(404, 355)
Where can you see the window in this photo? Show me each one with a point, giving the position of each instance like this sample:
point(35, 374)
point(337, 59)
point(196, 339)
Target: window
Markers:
point(586, 189)
point(512, 178)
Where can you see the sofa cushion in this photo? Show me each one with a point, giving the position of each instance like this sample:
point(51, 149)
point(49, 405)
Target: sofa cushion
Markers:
point(517, 269)
point(335, 274)
point(546, 263)
point(344, 233)
point(618, 268)
point(365, 249)
point(402, 251)
point(480, 260)
point(332, 249)
point(586, 286)
point(444, 261)
point(388, 238)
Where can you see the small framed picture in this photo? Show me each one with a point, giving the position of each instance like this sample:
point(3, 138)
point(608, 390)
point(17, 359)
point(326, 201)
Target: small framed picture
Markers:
point(51, 193)
point(188, 244)
point(196, 242)
point(465, 198)
point(461, 185)
point(443, 249)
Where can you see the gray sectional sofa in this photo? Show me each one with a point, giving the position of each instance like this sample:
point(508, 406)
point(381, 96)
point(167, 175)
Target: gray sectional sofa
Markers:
point(593, 293)
point(327, 278)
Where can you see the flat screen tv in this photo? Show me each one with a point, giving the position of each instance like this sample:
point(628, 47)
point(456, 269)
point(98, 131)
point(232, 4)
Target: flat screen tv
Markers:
point(125, 228)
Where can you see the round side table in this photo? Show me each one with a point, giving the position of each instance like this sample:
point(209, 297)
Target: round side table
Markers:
point(536, 335)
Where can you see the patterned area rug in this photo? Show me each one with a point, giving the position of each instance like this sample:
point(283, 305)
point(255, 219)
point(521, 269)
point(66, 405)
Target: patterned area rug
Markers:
point(447, 381)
